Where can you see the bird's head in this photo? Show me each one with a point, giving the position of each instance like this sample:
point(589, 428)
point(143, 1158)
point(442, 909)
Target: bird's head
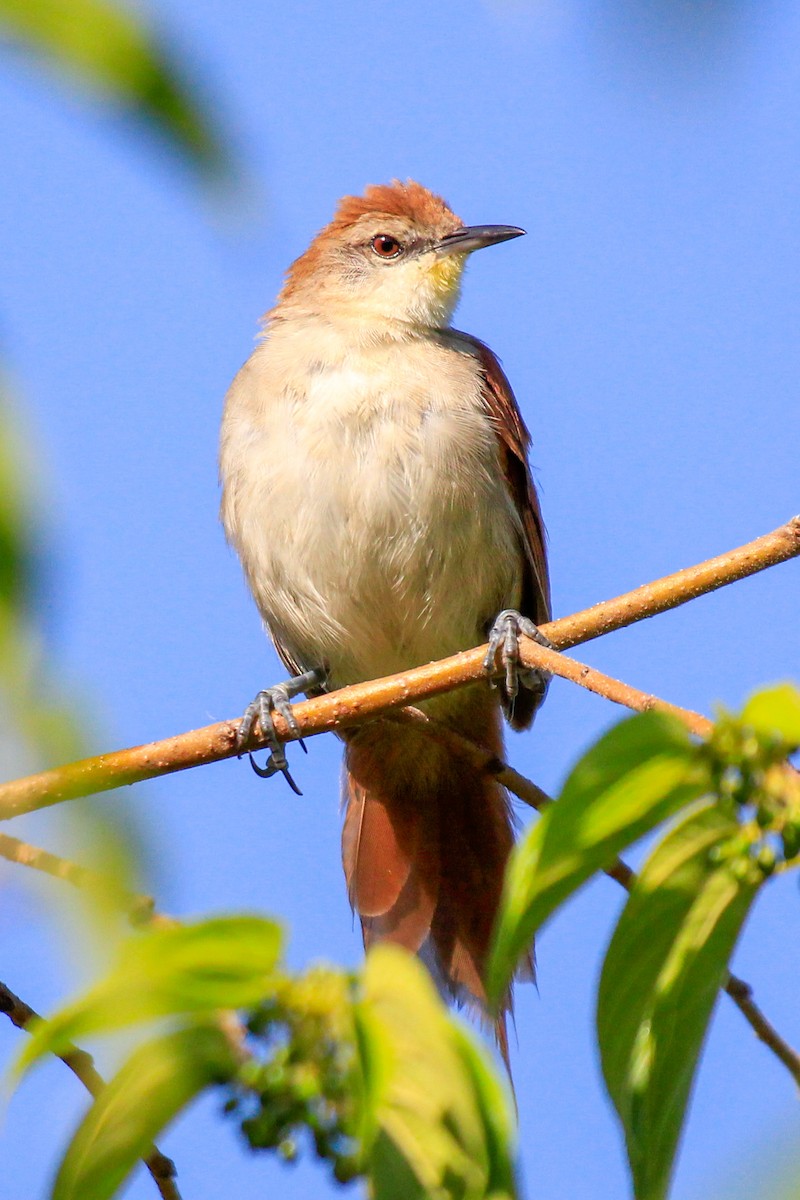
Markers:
point(397, 253)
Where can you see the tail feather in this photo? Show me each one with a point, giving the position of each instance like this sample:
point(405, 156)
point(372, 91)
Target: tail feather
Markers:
point(425, 844)
point(390, 857)
point(375, 878)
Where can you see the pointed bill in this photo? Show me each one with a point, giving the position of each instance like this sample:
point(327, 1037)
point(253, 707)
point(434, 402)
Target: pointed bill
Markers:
point(475, 237)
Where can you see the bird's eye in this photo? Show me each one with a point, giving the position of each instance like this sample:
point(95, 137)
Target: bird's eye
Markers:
point(385, 246)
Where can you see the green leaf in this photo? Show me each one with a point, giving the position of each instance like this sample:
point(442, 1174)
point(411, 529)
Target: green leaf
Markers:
point(491, 1094)
point(442, 1118)
point(157, 1081)
point(16, 516)
point(641, 772)
point(224, 962)
point(775, 710)
point(29, 699)
point(661, 976)
point(109, 48)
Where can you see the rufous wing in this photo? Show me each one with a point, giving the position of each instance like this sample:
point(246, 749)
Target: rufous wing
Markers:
point(514, 443)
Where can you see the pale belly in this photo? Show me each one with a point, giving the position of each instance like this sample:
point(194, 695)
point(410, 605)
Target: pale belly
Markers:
point(376, 534)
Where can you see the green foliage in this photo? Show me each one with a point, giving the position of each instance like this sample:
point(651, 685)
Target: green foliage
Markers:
point(16, 567)
point(670, 951)
point(303, 1076)
point(660, 980)
point(158, 1080)
point(223, 962)
point(109, 48)
point(388, 1084)
point(444, 1122)
point(373, 1071)
point(373, 1068)
point(34, 709)
point(186, 974)
point(775, 713)
point(642, 771)
point(745, 757)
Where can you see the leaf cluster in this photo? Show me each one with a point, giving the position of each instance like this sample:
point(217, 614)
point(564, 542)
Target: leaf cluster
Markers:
point(736, 805)
point(372, 1067)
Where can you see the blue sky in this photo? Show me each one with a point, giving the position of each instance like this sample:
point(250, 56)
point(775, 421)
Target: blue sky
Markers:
point(649, 325)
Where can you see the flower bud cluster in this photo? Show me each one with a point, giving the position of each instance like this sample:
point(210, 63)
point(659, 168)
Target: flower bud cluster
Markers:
point(301, 1082)
point(752, 783)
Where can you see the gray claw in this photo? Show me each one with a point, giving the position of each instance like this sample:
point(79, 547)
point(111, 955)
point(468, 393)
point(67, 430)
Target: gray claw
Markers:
point(270, 700)
point(273, 765)
point(504, 638)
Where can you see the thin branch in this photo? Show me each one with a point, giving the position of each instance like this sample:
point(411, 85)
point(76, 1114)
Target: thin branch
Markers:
point(533, 655)
point(742, 995)
point(139, 909)
point(671, 591)
point(82, 1066)
point(353, 704)
point(484, 762)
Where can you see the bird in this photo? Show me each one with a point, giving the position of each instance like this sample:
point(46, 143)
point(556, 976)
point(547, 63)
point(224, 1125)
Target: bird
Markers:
point(377, 490)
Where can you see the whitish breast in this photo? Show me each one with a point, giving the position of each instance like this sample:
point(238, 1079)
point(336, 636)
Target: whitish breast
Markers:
point(366, 501)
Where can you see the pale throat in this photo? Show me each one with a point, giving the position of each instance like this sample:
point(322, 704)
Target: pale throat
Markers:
point(422, 296)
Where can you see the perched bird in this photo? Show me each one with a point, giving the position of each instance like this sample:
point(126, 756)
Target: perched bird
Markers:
point(377, 490)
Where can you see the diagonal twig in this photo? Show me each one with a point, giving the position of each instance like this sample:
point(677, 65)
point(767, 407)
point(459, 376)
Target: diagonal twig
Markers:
point(353, 704)
point(741, 994)
point(137, 907)
point(82, 1066)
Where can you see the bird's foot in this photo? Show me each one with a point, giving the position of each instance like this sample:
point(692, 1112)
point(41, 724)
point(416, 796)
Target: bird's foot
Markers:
point(504, 641)
point(259, 711)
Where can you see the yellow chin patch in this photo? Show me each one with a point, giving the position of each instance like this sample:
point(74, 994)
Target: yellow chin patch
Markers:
point(445, 274)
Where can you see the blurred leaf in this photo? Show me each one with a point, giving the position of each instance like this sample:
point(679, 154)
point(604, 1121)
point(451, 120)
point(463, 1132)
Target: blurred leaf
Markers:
point(376, 1062)
point(661, 976)
point(15, 518)
point(29, 703)
point(157, 1081)
point(224, 962)
point(492, 1096)
point(443, 1120)
point(775, 710)
point(110, 48)
point(641, 772)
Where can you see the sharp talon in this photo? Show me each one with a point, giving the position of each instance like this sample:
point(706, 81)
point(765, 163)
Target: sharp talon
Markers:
point(265, 772)
point(272, 768)
point(287, 776)
point(302, 745)
point(276, 699)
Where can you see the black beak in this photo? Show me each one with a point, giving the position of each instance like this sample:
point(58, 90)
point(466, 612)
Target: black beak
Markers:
point(475, 237)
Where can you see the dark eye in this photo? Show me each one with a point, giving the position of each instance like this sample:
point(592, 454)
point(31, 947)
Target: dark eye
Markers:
point(385, 246)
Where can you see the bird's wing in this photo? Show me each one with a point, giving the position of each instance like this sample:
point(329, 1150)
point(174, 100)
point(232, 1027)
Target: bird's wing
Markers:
point(513, 442)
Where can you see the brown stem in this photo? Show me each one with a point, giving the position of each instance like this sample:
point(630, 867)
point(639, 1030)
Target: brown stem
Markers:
point(533, 655)
point(481, 760)
point(672, 590)
point(82, 1066)
point(742, 995)
point(353, 704)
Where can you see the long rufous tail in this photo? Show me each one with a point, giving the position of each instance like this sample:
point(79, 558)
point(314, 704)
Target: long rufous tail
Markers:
point(425, 843)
